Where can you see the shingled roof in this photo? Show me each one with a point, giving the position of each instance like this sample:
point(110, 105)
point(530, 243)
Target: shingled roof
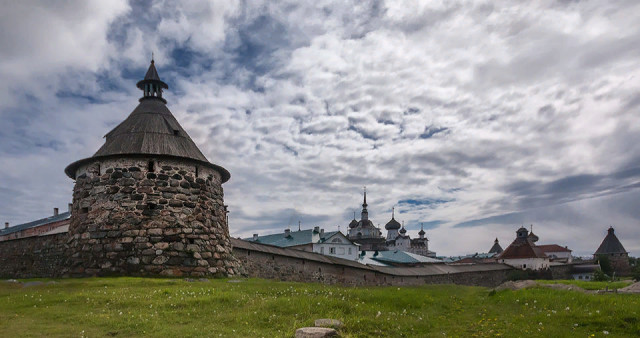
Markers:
point(496, 248)
point(610, 244)
point(522, 247)
point(150, 129)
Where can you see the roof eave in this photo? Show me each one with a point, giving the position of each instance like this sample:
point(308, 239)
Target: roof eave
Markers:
point(71, 169)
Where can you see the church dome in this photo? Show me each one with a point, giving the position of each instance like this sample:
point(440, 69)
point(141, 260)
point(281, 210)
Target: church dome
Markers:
point(353, 223)
point(421, 232)
point(392, 225)
point(403, 231)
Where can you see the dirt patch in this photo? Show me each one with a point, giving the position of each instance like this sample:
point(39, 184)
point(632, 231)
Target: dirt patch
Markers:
point(517, 285)
point(525, 284)
point(633, 288)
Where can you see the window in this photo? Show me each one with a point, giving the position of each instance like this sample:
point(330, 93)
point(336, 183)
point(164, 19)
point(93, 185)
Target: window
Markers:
point(349, 251)
point(524, 266)
point(150, 166)
point(332, 251)
point(322, 250)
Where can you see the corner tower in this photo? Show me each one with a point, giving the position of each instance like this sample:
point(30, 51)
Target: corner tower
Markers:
point(148, 201)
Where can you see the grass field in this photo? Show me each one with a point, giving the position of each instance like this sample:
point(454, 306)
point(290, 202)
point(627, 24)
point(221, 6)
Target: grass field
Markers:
point(96, 307)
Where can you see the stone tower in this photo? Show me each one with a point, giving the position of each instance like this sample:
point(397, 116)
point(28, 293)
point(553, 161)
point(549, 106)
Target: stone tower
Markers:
point(149, 202)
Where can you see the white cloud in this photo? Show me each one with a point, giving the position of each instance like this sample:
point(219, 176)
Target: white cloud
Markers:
point(453, 101)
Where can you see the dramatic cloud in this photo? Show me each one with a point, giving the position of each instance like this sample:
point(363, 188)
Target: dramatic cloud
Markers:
point(471, 118)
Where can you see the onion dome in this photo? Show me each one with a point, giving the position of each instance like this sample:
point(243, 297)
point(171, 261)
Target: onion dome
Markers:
point(392, 224)
point(150, 130)
point(353, 223)
point(421, 232)
point(403, 231)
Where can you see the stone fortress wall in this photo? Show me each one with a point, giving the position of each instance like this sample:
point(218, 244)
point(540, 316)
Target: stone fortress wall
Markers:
point(44, 256)
point(149, 216)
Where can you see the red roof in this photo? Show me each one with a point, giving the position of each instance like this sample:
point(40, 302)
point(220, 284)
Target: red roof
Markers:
point(553, 248)
point(522, 248)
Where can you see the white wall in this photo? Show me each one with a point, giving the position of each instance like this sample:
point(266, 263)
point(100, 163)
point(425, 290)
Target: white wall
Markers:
point(527, 263)
point(342, 249)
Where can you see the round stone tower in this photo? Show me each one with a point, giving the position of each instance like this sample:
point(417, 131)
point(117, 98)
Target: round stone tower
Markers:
point(149, 202)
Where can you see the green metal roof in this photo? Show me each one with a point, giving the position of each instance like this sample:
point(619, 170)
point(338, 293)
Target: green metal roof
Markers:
point(295, 238)
point(397, 257)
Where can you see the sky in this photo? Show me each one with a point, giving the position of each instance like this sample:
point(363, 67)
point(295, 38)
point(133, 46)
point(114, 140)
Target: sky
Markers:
point(472, 118)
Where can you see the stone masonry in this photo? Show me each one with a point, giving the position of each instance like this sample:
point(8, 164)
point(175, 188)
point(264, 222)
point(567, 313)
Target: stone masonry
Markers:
point(149, 216)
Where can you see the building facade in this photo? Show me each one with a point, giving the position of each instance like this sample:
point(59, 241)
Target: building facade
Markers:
point(59, 222)
point(523, 254)
point(369, 238)
point(330, 243)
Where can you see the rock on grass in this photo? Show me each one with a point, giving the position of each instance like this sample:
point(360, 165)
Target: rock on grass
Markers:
point(315, 332)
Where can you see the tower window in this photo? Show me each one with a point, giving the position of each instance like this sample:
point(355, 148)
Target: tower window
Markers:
point(151, 166)
point(196, 171)
point(176, 132)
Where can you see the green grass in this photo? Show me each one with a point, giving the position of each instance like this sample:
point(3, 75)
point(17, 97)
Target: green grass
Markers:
point(126, 307)
point(589, 285)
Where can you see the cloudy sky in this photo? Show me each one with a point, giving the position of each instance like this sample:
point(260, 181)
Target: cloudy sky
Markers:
point(472, 117)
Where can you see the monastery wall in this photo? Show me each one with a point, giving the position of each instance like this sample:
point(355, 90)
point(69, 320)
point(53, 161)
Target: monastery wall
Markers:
point(45, 256)
point(267, 262)
point(30, 257)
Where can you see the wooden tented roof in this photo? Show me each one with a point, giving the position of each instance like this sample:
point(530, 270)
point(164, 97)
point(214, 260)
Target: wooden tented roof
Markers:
point(610, 244)
point(150, 129)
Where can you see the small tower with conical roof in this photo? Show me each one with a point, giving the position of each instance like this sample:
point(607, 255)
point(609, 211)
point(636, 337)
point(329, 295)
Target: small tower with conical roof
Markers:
point(614, 251)
point(496, 248)
point(148, 202)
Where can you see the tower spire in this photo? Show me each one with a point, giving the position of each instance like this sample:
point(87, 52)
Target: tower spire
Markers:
point(365, 197)
point(151, 85)
point(393, 213)
point(365, 212)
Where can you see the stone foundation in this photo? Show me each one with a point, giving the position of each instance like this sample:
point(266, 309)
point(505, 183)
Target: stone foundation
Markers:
point(149, 216)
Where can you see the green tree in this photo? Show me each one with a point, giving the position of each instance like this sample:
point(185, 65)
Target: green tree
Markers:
point(605, 264)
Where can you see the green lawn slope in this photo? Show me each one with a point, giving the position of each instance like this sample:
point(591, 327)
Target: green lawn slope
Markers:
point(124, 307)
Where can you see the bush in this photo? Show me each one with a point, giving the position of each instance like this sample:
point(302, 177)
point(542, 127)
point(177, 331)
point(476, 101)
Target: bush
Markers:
point(600, 276)
point(635, 274)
